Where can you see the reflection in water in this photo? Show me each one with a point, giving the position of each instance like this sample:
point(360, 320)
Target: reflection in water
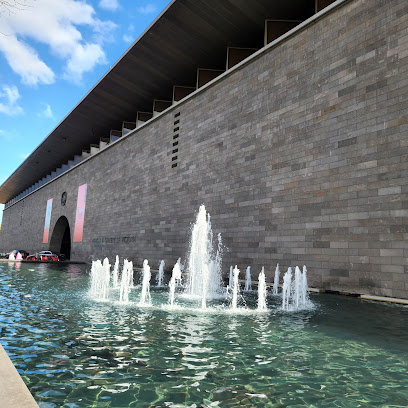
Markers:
point(75, 352)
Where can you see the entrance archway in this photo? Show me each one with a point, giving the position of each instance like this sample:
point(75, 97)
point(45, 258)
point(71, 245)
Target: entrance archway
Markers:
point(61, 238)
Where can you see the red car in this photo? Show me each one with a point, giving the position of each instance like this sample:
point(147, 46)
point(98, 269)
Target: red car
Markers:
point(43, 256)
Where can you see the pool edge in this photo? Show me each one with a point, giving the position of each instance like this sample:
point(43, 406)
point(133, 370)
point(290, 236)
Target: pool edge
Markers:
point(13, 391)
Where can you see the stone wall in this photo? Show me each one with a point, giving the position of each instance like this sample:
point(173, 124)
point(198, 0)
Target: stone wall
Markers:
point(299, 156)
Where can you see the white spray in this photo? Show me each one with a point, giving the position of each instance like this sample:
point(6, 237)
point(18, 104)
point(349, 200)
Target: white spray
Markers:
point(159, 278)
point(145, 299)
point(276, 280)
point(262, 290)
point(248, 279)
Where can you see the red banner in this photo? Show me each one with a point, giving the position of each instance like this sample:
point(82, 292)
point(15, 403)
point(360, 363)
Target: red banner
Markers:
point(47, 221)
point(80, 213)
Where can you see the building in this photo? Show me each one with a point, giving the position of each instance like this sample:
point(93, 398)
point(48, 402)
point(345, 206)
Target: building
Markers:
point(287, 119)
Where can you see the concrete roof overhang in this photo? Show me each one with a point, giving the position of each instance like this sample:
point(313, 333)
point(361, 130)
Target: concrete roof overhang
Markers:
point(187, 35)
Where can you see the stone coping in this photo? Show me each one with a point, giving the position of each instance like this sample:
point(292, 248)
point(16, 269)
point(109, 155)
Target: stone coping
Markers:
point(385, 299)
point(344, 293)
point(13, 391)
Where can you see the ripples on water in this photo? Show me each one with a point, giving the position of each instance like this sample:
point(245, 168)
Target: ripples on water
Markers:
point(73, 352)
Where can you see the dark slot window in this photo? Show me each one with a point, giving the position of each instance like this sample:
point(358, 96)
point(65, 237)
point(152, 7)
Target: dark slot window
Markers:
point(175, 149)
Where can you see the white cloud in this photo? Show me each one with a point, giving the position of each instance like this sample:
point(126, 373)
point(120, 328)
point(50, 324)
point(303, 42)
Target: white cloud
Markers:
point(111, 5)
point(23, 155)
point(47, 112)
point(128, 38)
point(57, 24)
point(7, 136)
point(147, 9)
point(24, 61)
point(10, 107)
point(83, 59)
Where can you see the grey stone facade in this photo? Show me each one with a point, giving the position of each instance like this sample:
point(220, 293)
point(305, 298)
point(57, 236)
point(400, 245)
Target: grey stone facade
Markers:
point(300, 156)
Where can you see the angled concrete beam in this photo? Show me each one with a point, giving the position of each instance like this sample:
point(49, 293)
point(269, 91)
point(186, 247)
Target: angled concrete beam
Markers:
point(94, 149)
point(206, 75)
point(180, 92)
point(321, 4)
point(275, 28)
point(103, 142)
point(142, 117)
point(115, 135)
point(127, 127)
point(160, 105)
point(235, 55)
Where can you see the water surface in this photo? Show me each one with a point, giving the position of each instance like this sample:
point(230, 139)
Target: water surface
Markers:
point(73, 352)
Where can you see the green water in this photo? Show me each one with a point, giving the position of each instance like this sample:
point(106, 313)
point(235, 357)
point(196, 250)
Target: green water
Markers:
point(74, 352)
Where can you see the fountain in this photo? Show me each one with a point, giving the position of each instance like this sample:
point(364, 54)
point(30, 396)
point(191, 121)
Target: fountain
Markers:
point(248, 279)
point(262, 291)
point(175, 277)
point(159, 278)
point(126, 282)
point(115, 274)
point(204, 277)
point(145, 299)
point(286, 289)
point(100, 278)
point(179, 277)
point(172, 289)
point(276, 281)
point(304, 297)
point(235, 288)
point(204, 268)
point(297, 287)
point(294, 293)
point(180, 264)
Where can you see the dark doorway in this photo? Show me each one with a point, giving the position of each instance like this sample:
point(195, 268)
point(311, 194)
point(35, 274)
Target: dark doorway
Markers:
point(61, 238)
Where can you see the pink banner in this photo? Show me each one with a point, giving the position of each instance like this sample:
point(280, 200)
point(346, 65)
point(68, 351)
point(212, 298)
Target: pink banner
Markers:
point(47, 221)
point(80, 213)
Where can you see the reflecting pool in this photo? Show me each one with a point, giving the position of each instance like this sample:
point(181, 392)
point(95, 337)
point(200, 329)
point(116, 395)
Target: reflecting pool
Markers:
point(74, 352)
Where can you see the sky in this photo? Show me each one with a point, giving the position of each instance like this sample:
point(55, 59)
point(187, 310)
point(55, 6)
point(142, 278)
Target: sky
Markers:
point(52, 52)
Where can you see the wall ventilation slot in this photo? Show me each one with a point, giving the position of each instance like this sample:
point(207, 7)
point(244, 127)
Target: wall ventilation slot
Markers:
point(176, 134)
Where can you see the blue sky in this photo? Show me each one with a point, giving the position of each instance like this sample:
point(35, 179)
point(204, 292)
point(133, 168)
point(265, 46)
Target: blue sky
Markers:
point(52, 52)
